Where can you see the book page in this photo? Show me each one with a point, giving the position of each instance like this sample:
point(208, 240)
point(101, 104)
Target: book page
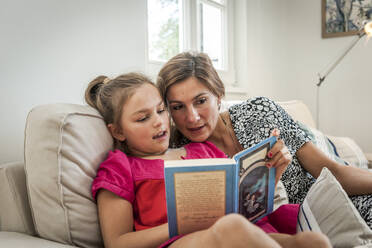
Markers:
point(200, 199)
point(253, 184)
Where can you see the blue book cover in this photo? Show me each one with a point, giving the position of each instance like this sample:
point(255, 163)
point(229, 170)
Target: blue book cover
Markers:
point(199, 191)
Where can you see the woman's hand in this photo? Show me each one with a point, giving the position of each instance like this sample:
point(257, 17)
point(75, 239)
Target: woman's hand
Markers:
point(278, 157)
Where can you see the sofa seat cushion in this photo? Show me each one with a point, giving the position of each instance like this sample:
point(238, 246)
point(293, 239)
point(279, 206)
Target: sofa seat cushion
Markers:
point(15, 214)
point(13, 239)
point(64, 145)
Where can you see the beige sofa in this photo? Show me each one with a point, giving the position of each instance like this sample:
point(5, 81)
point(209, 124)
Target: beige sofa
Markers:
point(46, 200)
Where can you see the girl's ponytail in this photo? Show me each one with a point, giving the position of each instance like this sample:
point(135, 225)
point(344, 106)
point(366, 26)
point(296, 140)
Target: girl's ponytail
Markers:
point(93, 90)
point(109, 95)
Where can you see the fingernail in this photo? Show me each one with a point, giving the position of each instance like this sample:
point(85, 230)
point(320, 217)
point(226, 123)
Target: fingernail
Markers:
point(270, 154)
point(268, 165)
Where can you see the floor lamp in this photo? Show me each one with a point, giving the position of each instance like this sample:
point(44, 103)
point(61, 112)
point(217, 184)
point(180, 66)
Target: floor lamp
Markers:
point(365, 30)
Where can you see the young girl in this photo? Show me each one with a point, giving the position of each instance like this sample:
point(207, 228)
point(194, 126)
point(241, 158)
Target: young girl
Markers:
point(129, 186)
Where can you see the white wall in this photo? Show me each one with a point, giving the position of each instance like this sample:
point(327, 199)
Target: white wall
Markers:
point(51, 49)
point(285, 52)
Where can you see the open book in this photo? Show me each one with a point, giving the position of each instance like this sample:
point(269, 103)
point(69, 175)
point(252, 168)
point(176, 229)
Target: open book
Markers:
point(199, 191)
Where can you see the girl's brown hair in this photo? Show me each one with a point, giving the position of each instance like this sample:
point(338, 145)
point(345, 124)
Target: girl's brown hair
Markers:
point(190, 64)
point(109, 95)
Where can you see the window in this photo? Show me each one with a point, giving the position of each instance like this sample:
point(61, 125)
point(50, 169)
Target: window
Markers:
point(181, 25)
point(211, 34)
point(164, 18)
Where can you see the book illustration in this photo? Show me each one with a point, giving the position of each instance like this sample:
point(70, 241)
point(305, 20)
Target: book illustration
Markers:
point(253, 183)
point(253, 193)
point(200, 191)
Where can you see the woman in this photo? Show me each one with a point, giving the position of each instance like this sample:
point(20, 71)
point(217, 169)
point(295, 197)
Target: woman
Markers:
point(193, 91)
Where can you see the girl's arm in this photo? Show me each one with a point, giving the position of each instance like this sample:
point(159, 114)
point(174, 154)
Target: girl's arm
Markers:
point(355, 181)
point(116, 221)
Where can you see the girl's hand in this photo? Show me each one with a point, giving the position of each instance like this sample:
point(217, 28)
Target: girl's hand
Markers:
point(279, 156)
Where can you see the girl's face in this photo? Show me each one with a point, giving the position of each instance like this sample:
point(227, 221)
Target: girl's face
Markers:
point(144, 123)
point(194, 109)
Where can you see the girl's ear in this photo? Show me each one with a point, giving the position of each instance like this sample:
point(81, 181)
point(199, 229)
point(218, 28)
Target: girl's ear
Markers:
point(116, 132)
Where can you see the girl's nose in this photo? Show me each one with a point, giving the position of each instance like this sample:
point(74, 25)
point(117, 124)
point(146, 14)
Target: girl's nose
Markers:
point(158, 120)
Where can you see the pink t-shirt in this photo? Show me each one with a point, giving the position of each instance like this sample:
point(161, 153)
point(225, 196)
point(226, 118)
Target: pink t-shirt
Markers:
point(141, 181)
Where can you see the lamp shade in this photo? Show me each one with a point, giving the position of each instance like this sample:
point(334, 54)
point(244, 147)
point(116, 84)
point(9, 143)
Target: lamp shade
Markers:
point(368, 28)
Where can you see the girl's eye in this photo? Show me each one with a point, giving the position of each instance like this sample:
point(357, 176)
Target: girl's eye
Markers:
point(176, 107)
point(142, 119)
point(161, 110)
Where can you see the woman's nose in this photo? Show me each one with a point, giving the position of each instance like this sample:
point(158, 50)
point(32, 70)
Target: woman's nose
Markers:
point(192, 115)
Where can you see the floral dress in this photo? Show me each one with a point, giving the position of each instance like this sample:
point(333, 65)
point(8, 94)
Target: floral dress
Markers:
point(254, 120)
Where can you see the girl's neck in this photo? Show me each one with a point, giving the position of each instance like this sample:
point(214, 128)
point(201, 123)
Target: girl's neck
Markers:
point(169, 154)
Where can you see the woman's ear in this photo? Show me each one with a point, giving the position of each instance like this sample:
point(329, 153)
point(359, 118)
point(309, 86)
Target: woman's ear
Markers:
point(116, 132)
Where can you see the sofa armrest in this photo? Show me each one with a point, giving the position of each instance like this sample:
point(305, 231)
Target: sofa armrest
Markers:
point(15, 214)
point(369, 158)
point(18, 240)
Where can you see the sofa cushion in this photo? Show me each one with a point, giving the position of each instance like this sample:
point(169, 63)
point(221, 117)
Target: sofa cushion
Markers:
point(14, 240)
point(64, 145)
point(322, 143)
point(349, 151)
point(14, 200)
point(298, 111)
point(337, 218)
point(280, 195)
point(369, 159)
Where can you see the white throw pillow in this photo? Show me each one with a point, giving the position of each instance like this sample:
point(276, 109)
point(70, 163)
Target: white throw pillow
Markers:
point(64, 145)
point(328, 209)
point(349, 151)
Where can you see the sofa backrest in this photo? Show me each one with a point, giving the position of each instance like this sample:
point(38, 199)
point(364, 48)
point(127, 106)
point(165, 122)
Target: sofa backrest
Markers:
point(15, 213)
point(64, 145)
point(299, 112)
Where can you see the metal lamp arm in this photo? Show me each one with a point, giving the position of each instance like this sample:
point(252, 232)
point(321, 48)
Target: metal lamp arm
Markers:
point(338, 60)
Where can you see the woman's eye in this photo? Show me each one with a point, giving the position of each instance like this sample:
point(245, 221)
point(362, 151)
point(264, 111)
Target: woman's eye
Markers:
point(176, 107)
point(201, 100)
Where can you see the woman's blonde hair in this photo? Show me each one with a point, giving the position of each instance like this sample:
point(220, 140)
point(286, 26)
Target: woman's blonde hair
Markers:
point(186, 65)
point(109, 95)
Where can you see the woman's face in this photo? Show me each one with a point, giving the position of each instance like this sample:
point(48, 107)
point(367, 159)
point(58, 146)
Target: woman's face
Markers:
point(194, 109)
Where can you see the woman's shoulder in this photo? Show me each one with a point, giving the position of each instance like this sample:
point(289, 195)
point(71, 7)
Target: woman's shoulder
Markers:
point(254, 108)
point(254, 103)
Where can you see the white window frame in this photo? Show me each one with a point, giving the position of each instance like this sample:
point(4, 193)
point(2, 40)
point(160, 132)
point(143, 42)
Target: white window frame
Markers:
point(190, 40)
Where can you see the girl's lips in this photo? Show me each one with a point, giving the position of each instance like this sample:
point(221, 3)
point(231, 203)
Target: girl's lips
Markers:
point(160, 135)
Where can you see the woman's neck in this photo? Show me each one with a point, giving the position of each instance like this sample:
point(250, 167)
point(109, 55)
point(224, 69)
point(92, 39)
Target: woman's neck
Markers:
point(224, 136)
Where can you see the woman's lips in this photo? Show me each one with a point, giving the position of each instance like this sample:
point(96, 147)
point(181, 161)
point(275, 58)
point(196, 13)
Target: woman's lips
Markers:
point(195, 129)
